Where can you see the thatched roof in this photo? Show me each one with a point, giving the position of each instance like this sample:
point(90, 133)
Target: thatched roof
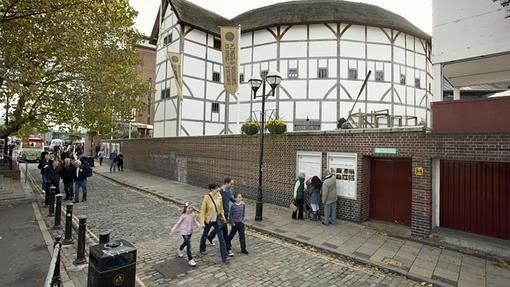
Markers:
point(295, 12)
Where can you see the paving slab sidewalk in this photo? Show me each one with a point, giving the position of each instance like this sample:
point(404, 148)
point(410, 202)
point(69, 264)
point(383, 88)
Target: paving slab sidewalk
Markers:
point(413, 259)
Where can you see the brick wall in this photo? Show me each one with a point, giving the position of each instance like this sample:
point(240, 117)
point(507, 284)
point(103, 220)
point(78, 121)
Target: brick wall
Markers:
point(201, 160)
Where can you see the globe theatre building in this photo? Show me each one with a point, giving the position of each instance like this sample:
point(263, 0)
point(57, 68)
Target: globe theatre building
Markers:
point(322, 49)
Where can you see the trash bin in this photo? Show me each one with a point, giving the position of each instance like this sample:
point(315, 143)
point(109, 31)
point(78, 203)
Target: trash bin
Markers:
point(112, 264)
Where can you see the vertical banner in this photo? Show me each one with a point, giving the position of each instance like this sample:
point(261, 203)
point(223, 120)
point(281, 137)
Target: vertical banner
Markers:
point(230, 51)
point(176, 63)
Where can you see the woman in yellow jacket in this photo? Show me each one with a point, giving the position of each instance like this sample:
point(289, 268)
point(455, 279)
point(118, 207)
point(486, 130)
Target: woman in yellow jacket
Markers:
point(211, 214)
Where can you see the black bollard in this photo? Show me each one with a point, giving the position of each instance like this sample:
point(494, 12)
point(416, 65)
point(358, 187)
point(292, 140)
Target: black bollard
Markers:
point(58, 211)
point(51, 201)
point(68, 239)
point(82, 226)
point(56, 273)
point(104, 237)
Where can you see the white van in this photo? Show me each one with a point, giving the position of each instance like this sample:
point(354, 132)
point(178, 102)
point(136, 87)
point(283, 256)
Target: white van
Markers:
point(56, 142)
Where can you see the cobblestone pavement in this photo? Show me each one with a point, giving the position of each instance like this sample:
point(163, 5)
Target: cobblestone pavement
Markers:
point(145, 220)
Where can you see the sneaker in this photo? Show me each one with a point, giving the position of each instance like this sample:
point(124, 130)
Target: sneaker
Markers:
point(245, 252)
point(230, 253)
point(211, 242)
point(180, 252)
point(192, 263)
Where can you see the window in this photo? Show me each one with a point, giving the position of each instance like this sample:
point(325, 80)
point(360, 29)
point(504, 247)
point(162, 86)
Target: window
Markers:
point(402, 79)
point(165, 94)
point(216, 77)
point(241, 78)
point(293, 73)
point(379, 76)
point(263, 75)
point(322, 73)
point(417, 82)
point(215, 107)
point(167, 39)
point(217, 43)
point(353, 74)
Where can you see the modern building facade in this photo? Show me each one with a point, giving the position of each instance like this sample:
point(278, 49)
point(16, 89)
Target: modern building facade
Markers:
point(322, 49)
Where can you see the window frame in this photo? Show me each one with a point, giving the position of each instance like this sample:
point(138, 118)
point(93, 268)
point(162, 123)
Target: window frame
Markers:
point(213, 77)
point(379, 75)
point(322, 73)
point(355, 70)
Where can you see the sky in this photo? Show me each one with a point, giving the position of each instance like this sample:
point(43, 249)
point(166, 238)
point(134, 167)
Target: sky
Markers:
point(418, 12)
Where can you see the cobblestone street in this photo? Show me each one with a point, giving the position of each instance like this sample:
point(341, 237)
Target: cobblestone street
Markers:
point(145, 221)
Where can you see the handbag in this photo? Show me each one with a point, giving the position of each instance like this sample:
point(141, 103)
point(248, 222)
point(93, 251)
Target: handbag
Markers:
point(293, 206)
point(218, 217)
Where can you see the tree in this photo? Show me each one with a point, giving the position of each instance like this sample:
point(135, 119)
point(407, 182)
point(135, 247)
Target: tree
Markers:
point(70, 62)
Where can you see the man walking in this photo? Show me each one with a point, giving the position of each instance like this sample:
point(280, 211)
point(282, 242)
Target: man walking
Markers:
point(329, 198)
point(227, 200)
point(67, 175)
point(80, 181)
point(113, 160)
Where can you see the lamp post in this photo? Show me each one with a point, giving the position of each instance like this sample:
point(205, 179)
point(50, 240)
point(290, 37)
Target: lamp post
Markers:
point(273, 79)
point(148, 107)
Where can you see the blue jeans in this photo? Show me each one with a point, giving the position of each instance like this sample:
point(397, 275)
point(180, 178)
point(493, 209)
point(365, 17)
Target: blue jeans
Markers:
point(221, 239)
point(329, 213)
point(77, 185)
point(113, 166)
point(187, 244)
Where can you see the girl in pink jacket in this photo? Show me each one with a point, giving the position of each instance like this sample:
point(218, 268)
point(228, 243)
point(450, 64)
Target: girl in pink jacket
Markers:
point(186, 222)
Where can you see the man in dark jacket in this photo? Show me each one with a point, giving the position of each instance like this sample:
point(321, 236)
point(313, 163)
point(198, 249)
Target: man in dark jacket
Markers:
point(67, 175)
point(80, 180)
point(52, 172)
point(43, 164)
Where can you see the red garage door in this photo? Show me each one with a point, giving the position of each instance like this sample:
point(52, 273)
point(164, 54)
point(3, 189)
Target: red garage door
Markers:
point(475, 197)
point(390, 190)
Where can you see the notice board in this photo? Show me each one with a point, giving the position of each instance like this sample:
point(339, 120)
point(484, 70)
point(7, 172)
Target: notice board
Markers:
point(310, 163)
point(344, 167)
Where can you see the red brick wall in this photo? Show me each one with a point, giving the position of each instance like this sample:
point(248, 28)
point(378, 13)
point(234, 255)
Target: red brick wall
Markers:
point(201, 160)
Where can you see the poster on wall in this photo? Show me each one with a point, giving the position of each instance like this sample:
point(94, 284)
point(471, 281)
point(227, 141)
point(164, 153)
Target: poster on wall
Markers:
point(344, 167)
point(310, 163)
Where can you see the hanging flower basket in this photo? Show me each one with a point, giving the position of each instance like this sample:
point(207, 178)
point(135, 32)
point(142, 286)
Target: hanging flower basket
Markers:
point(250, 128)
point(276, 126)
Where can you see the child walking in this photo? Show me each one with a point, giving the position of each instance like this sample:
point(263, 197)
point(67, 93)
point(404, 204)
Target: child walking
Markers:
point(237, 218)
point(186, 223)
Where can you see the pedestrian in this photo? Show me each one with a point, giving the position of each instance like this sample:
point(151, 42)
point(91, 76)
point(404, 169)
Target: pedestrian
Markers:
point(329, 198)
point(43, 164)
point(237, 219)
point(52, 172)
point(212, 215)
point(227, 199)
point(113, 160)
point(67, 175)
point(186, 222)
point(82, 172)
point(299, 190)
point(120, 161)
point(315, 197)
point(101, 156)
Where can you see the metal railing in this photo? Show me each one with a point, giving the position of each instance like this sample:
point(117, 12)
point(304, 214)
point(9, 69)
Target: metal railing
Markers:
point(53, 277)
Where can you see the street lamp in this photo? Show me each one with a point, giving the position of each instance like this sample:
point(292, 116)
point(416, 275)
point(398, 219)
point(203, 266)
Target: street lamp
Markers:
point(273, 79)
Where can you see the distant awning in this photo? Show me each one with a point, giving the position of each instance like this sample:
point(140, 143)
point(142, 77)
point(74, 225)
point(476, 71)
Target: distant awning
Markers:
point(478, 71)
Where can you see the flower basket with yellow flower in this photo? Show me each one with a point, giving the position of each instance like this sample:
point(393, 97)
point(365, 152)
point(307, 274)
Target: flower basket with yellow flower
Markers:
point(250, 128)
point(276, 126)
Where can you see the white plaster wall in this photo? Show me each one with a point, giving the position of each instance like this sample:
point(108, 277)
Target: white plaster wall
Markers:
point(321, 31)
point(354, 32)
point(317, 89)
point(375, 34)
point(196, 87)
point(376, 90)
point(246, 40)
point(158, 129)
point(170, 128)
point(262, 37)
point(296, 32)
point(287, 111)
point(323, 48)
point(379, 52)
point(293, 49)
point(194, 49)
point(193, 67)
point(329, 111)
point(352, 49)
point(193, 128)
point(307, 109)
point(265, 52)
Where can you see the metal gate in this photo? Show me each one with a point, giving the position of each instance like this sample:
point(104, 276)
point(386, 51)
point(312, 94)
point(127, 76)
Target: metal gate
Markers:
point(475, 197)
point(391, 190)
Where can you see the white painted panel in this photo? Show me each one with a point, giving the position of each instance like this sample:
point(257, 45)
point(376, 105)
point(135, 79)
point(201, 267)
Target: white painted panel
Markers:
point(170, 128)
point(352, 49)
point(245, 55)
point(400, 41)
point(292, 49)
point(303, 72)
point(214, 90)
point(194, 87)
point(323, 48)
point(193, 128)
point(379, 107)
point(328, 126)
point(410, 58)
point(352, 88)
point(343, 68)
point(265, 52)
point(213, 128)
point(345, 107)
point(332, 68)
point(263, 37)
point(312, 64)
point(321, 31)
point(387, 72)
point(244, 112)
point(296, 32)
point(396, 74)
point(175, 46)
point(214, 55)
point(159, 111)
point(170, 109)
point(244, 92)
point(193, 67)
point(410, 96)
point(158, 129)
point(418, 46)
point(355, 32)
point(197, 36)
point(376, 35)
point(409, 42)
point(421, 114)
point(379, 52)
point(317, 89)
point(296, 89)
point(160, 72)
point(287, 111)
point(284, 71)
point(246, 39)
point(420, 61)
point(209, 71)
point(376, 90)
point(361, 70)
point(161, 56)
point(399, 55)
point(399, 110)
point(400, 93)
point(329, 111)
point(410, 76)
point(194, 49)
point(307, 109)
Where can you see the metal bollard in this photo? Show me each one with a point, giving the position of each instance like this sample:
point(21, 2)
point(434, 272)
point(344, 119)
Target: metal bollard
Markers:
point(58, 211)
point(82, 226)
point(51, 201)
point(104, 237)
point(68, 232)
point(56, 273)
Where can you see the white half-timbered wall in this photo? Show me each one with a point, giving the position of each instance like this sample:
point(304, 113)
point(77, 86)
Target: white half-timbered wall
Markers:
point(304, 49)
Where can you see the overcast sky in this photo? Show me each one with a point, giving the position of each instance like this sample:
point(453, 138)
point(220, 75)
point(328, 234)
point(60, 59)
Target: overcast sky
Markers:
point(418, 12)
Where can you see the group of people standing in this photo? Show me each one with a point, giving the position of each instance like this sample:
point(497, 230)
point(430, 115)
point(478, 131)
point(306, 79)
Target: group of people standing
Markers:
point(116, 160)
point(313, 192)
point(72, 172)
point(221, 207)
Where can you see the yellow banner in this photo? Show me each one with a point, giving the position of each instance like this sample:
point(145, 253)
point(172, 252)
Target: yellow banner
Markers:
point(176, 62)
point(230, 50)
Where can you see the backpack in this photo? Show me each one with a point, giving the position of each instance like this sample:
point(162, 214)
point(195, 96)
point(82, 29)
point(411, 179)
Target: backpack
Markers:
point(87, 171)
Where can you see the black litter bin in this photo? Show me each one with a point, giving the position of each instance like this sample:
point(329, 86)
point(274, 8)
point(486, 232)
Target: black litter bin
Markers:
point(112, 264)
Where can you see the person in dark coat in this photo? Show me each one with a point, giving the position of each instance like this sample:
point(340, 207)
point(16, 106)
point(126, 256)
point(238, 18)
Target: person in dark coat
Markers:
point(120, 161)
point(81, 172)
point(53, 174)
point(67, 175)
point(43, 163)
point(315, 197)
